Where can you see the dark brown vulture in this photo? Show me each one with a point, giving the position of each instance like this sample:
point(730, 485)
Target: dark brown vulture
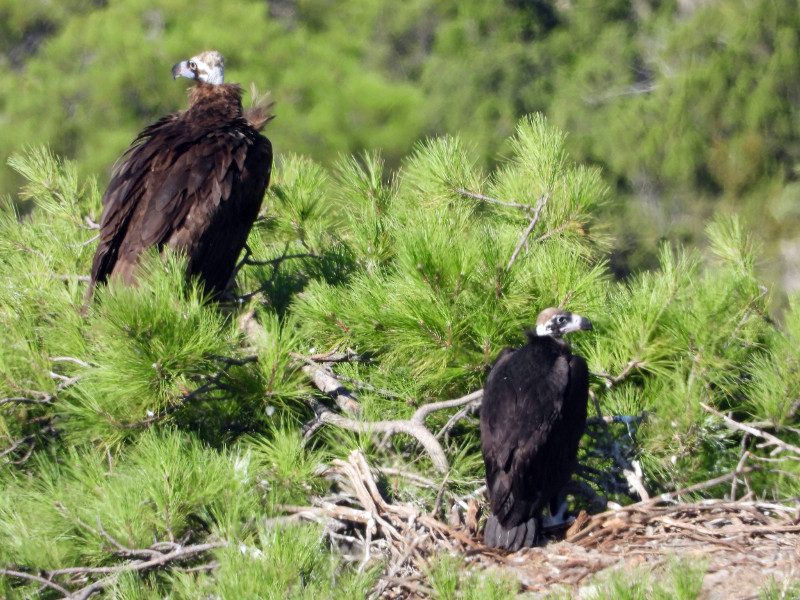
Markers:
point(533, 415)
point(193, 181)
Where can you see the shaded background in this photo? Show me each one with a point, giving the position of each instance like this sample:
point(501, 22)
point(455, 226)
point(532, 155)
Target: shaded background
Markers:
point(690, 107)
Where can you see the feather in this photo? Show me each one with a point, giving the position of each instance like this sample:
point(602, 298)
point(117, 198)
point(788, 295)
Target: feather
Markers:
point(193, 180)
point(533, 415)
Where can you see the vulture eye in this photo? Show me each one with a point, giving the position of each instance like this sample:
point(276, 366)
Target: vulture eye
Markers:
point(192, 65)
point(561, 319)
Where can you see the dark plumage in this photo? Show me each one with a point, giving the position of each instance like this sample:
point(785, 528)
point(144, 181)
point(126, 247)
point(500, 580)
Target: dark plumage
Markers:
point(193, 181)
point(533, 415)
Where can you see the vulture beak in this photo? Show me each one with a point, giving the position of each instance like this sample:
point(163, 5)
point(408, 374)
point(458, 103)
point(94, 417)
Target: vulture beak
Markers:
point(577, 323)
point(181, 69)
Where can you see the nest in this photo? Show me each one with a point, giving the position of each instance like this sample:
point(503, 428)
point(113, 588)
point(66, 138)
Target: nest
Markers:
point(743, 543)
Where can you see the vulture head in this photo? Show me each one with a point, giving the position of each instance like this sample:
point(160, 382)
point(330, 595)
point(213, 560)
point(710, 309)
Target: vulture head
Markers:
point(556, 322)
point(207, 66)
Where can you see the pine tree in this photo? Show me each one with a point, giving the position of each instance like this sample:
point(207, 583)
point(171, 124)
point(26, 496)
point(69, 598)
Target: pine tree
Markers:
point(164, 425)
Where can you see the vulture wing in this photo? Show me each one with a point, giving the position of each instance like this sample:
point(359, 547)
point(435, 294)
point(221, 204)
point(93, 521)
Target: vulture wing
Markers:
point(186, 185)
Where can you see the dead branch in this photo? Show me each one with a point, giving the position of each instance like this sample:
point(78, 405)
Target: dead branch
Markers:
point(158, 559)
point(405, 426)
point(36, 578)
point(527, 233)
point(477, 196)
point(425, 410)
point(414, 426)
point(771, 439)
point(326, 382)
point(612, 380)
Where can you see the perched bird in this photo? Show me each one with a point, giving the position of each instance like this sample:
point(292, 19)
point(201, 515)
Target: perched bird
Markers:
point(533, 415)
point(193, 181)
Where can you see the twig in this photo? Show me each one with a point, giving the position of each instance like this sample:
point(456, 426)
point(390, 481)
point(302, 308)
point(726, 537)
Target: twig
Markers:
point(460, 414)
point(477, 196)
point(22, 400)
point(668, 496)
point(438, 504)
point(425, 410)
point(409, 427)
point(612, 380)
point(36, 578)
point(66, 277)
point(773, 441)
point(558, 229)
point(526, 234)
point(77, 361)
point(180, 553)
point(327, 383)
point(86, 243)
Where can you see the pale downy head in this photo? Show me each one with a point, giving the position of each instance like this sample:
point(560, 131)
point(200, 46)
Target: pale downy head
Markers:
point(555, 322)
point(208, 66)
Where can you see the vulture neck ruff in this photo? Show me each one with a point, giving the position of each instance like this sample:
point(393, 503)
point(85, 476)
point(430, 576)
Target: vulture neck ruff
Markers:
point(224, 101)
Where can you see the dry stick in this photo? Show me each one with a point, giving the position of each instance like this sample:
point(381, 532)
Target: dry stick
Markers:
point(534, 220)
point(179, 553)
point(458, 416)
point(328, 384)
point(612, 380)
point(478, 196)
point(773, 441)
point(630, 470)
point(417, 431)
point(666, 497)
point(36, 578)
point(415, 426)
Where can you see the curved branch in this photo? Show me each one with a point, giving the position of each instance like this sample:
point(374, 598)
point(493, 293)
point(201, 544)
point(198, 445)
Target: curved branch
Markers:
point(407, 426)
point(425, 410)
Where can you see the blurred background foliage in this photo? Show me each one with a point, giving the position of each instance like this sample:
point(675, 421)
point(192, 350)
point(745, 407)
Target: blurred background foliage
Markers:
point(689, 106)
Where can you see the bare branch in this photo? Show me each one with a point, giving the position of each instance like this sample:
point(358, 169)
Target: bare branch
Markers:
point(526, 234)
point(77, 361)
point(612, 380)
point(771, 439)
point(414, 429)
point(327, 383)
point(425, 410)
point(180, 553)
point(36, 578)
point(477, 196)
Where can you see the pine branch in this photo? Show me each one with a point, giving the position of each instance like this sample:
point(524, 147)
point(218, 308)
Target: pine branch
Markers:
point(526, 234)
point(477, 196)
point(771, 440)
point(327, 383)
point(30, 577)
point(405, 426)
point(612, 380)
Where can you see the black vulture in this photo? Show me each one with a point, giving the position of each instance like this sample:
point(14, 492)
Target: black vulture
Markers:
point(193, 181)
point(533, 415)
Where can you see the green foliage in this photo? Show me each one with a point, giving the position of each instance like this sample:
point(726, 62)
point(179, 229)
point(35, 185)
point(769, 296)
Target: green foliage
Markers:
point(679, 580)
point(165, 486)
point(689, 109)
point(156, 416)
point(449, 580)
point(777, 590)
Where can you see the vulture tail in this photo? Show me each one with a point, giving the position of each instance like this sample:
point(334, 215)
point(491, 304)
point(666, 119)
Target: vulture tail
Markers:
point(513, 538)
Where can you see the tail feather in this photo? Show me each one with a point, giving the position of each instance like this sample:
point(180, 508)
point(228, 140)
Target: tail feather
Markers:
point(513, 538)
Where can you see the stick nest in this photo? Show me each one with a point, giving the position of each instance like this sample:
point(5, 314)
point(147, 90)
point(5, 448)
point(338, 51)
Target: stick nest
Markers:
point(743, 543)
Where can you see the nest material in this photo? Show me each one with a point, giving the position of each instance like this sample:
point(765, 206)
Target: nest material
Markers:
point(743, 544)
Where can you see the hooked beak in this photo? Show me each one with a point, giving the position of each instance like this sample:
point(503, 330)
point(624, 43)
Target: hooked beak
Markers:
point(181, 69)
point(578, 323)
